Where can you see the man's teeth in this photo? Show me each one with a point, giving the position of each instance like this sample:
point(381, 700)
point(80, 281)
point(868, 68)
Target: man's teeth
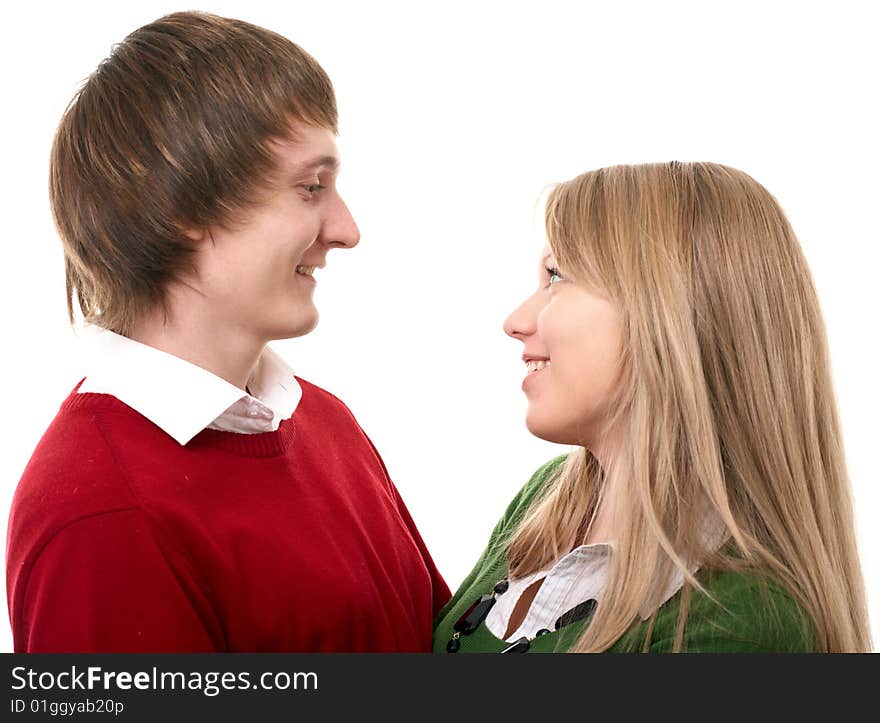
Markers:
point(537, 364)
point(305, 270)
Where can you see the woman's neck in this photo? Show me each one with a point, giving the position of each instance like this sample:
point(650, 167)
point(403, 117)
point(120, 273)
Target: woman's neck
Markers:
point(607, 452)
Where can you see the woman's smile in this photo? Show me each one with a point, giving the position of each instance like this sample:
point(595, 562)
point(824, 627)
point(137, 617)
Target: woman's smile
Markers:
point(534, 367)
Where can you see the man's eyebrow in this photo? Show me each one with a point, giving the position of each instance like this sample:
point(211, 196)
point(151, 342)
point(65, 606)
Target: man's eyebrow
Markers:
point(546, 258)
point(331, 162)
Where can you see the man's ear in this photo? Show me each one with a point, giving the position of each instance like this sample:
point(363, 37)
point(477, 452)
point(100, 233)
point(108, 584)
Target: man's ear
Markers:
point(195, 234)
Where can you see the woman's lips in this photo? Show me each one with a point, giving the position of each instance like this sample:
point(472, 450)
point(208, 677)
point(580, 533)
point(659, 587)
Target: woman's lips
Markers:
point(531, 375)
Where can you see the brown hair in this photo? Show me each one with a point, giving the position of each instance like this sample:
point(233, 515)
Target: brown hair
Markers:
point(726, 402)
point(170, 133)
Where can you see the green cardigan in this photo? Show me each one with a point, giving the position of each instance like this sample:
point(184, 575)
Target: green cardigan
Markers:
point(757, 616)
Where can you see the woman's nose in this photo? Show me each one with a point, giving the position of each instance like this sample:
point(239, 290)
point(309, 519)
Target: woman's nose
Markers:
point(521, 322)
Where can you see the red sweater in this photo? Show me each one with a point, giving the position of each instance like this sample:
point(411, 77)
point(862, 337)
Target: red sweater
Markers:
point(122, 540)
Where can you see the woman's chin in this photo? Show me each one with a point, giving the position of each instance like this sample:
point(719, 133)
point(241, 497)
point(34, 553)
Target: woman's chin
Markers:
point(544, 429)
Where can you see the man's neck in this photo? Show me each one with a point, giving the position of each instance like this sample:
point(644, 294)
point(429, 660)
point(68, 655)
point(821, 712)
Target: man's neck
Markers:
point(228, 353)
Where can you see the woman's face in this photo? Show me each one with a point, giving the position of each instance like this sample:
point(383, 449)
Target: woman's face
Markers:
point(572, 340)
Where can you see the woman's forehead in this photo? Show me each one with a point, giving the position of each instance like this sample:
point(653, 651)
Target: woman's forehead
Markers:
point(546, 253)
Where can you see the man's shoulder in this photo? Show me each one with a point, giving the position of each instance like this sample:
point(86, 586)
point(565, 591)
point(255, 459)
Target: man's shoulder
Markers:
point(71, 472)
point(71, 445)
point(314, 390)
point(317, 399)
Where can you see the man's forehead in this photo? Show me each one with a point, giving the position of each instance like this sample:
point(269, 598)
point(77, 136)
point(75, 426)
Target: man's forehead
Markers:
point(311, 150)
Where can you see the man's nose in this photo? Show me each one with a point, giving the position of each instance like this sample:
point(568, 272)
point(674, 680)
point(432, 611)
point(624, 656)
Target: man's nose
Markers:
point(340, 229)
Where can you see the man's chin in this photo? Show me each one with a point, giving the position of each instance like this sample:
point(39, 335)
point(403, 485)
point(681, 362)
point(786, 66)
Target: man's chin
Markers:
point(289, 328)
point(303, 327)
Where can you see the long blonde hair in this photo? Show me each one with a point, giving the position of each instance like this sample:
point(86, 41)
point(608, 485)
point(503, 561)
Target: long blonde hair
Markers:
point(725, 401)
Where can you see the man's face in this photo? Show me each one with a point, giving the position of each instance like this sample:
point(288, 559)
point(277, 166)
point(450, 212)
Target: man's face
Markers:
point(252, 274)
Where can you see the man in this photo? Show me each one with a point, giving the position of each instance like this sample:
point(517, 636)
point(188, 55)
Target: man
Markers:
point(192, 494)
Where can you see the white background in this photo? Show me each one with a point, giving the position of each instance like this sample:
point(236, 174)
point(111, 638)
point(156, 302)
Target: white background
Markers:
point(453, 118)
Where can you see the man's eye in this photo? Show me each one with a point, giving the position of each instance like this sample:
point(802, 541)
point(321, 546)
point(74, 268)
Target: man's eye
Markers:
point(553, 274)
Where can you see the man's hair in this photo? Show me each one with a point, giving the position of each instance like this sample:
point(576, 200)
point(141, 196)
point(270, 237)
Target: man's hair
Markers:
point(170, 133)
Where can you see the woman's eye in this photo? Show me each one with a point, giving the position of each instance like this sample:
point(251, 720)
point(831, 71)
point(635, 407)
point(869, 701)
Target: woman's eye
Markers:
point(554, 275)
point(314, 187)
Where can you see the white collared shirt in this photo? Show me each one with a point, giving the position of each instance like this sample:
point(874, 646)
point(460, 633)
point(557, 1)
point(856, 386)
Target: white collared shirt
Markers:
point(579, 576)
point(181, 398)
point(576, 577)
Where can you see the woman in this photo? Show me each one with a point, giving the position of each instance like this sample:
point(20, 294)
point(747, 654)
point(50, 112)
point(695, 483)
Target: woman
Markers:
point(675, 339)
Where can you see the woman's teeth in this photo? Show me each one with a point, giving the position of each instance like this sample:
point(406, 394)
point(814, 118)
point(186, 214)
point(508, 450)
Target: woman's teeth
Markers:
point(305, 270)
point(537, 364)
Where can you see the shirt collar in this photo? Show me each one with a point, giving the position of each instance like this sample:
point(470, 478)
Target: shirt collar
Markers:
point(179, 397)
point(713, 533)
point(576, 559)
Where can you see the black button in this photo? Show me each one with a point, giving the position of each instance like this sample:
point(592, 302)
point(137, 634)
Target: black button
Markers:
point(579, 612)
point(475, 614)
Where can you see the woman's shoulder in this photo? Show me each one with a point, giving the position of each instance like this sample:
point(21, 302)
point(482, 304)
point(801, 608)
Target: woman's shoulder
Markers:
point(745, 611)
point(541, 476)
point(530, 490)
